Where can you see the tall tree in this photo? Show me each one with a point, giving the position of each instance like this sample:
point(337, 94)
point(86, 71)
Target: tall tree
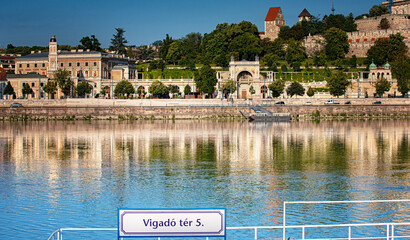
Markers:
point(337, 83)
point(337, 43)
point(295, 51)
point(8, 90)
point(205, 80)
point(124, 88)
point(50, 88)
point(166, 43)
point(382, 86)
point(401, 71)
point(229, 87)
point(26, 89)
point(118, 41)
point(62, 77)
point(295, 88)
point(387, 49)
point(158, 89)
point(378, 10)
point(384, 24)
point(83, 88)
point(91, 43)
point(277, 87)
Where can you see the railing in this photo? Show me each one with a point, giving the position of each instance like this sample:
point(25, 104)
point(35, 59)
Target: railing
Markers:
point(390, 231)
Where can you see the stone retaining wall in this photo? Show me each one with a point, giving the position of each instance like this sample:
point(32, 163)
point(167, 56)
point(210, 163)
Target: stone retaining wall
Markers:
point(192, 112)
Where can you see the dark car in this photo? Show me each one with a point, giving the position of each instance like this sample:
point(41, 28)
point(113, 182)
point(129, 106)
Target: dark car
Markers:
point(377, 102)
point(16, 105)
point(280, 103)
point(348, 103)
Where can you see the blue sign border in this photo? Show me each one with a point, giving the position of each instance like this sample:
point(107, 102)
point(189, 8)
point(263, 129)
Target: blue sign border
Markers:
point(168, 209)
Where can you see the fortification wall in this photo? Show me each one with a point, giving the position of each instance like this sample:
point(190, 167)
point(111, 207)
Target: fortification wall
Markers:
point(397, 22)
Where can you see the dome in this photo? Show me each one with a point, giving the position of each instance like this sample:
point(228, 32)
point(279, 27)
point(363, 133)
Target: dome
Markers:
point(387, 65)
point(372, 65)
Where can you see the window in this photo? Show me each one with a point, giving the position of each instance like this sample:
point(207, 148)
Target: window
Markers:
point(28, 65)
point(78, 64)
point(20, 65)
point(35, 65)
point(41, 84)
point(86, 64)
point(95, 64)
point(62, 64)
point(32, 84)
point(44, 65)
point(69, 64)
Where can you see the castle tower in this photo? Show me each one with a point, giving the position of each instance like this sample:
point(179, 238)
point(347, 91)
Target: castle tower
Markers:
point(273, 22)
point(304, 15)
point(52, 56)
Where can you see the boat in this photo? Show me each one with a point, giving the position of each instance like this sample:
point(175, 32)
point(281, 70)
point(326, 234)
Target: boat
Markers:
point(261, 114)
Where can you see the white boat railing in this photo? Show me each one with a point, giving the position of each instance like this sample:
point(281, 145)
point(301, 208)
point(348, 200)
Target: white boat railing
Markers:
point(390, 231)
point(390, 228)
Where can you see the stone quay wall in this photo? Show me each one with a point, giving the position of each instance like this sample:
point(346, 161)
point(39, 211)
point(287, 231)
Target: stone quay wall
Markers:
point(205, 111)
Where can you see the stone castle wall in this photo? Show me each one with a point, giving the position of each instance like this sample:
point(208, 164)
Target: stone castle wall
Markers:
point(396, 21)
point(361, 41)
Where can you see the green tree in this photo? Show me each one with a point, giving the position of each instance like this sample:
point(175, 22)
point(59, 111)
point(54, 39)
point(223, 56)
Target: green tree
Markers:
point(91, 43)
point(118, 41)
point(166, 43)
point(158, 89)
point(145, 53)
point(83, 88)
point(252, 90)
point(205, 80)
point(124, 88)
point(277, 87)
point(387, 49)
point(229, 87)
point(337, 83)
point(295, 51)
point(174, 89)
point(187, 89)
point(378, 10)
point(140, 92)
point(319, 59)
point(382, 86)
point(50, 88)
point(295, 88)
point(401, 71)
point(62, 77)
point(26, 89)
point(353, 62)
point(174, 52)
point(337, 43)
point(8, 90)
point(221, 60)
point(384, 24)
point(310, 92)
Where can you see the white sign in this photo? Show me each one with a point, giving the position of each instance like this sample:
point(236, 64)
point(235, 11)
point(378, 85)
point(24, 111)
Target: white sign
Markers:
point(171, 222)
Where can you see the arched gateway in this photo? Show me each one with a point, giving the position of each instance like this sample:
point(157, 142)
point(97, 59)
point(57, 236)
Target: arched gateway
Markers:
point(245, 74)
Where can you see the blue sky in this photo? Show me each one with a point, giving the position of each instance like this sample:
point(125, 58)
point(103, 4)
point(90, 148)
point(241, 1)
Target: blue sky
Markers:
point(28, 22)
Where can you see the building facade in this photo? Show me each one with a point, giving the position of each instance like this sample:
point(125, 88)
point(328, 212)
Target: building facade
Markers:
point(273, 22)
point(82, 65)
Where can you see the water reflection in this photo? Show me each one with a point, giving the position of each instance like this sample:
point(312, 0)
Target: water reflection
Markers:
point(77, 169)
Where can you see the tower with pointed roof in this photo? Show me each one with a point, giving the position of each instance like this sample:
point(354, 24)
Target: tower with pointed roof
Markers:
point(273, 22)
point(304, 15)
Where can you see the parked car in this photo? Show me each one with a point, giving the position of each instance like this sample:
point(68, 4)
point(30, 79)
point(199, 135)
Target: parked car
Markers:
point(348, 103)
point(280, 103)
point(331, 102)
point(377, 102)
point(307, 103)
point(16, 105)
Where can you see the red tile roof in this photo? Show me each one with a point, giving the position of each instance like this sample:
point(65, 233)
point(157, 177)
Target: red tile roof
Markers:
point(272, 14)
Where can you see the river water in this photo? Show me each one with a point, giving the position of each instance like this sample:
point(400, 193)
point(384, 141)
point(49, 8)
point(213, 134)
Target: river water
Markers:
point(57, 174)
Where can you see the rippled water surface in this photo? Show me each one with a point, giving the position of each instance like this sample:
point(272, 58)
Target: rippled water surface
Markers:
point(77, 174)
